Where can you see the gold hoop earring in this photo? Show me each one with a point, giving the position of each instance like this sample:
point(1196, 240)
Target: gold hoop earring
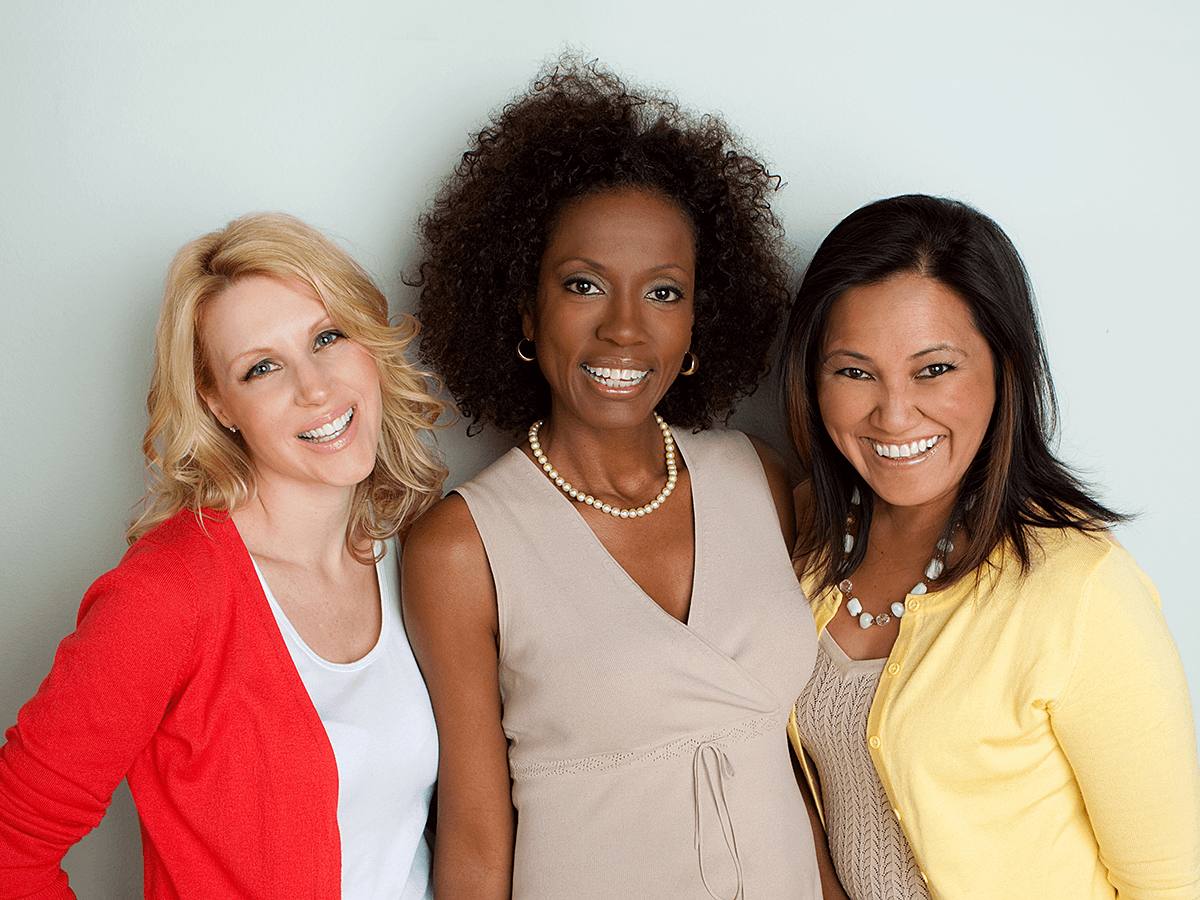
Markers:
point(526, 356)
point(691, 367)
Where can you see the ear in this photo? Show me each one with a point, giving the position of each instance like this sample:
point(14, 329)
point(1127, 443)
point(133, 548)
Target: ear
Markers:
point(213, 402)
point(527, 324)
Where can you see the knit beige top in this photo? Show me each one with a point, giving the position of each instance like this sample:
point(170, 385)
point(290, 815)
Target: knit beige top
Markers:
point(869, 850)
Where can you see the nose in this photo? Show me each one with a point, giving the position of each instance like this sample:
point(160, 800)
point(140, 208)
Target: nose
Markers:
point(622, 322)
point(312, 383)
point(896, 409)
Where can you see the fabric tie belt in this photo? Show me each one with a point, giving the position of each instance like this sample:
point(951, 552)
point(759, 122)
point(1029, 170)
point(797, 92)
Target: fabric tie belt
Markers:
point(710, 768)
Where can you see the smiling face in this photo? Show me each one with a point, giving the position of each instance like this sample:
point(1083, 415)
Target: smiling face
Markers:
point(614, 307)
point(906, 388)
point(305, 398)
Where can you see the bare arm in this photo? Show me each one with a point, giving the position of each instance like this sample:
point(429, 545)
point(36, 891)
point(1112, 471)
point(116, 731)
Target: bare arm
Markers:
point(831, 885)
point(450, 614)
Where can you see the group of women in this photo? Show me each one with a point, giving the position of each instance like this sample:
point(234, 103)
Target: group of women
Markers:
point(606, 639)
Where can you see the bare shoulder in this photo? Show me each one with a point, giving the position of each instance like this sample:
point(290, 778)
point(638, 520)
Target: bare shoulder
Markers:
point(803, 498)
point(445, 529)
point(449, 600)
point(777, 480)
point(445, 570)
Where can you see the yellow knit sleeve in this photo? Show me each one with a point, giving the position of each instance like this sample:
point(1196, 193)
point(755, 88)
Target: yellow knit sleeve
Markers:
point(1124, 722)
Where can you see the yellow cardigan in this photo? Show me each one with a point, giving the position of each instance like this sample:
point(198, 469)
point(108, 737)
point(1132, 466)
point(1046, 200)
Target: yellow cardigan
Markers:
point(1036, 739)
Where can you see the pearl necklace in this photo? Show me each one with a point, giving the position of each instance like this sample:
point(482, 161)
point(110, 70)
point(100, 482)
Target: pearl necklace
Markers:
point(854, 605)
point(583, 497)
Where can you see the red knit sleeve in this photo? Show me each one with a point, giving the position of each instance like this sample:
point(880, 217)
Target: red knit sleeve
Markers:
point(99, 707)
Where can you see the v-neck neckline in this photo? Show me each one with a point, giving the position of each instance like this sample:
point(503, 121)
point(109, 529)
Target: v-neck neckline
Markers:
point(577, 516)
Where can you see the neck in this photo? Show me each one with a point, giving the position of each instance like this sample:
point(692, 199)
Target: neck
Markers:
point(296, 524)
point(601, 459)
point(906, 530)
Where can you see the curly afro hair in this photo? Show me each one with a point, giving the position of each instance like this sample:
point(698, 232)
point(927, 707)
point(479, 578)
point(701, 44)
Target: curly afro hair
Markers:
point(579, 130)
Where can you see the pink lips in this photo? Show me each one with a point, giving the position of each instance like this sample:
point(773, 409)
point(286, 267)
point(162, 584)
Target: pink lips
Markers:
point(334, 441)
point(326, 419)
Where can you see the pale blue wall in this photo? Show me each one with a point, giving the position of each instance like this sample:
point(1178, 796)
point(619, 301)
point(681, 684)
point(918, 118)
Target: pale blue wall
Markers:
point(127, 128)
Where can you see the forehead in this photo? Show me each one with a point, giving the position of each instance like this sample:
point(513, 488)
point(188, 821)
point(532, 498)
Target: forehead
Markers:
point(261, 293)
point(627, 221)
point(257, 305)
point(902, 311)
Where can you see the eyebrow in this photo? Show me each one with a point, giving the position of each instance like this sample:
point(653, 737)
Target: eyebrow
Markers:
point(936, 348)
point(603, 268)
point(322, 324)
point(939, 348)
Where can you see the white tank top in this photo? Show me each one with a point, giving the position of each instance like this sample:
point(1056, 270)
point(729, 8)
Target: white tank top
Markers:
point(377, 715)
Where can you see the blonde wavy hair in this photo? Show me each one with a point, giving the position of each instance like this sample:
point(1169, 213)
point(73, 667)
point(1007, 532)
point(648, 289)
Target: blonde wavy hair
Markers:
point(192, 462)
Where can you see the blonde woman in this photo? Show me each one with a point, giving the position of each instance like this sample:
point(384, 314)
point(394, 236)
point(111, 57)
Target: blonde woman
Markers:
point(245, 666)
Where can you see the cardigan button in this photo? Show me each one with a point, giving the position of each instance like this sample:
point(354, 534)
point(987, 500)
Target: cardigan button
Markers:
point(925, 878)
point(894, 669)
point(874, 742)
point(913, 604)
point(896, 813)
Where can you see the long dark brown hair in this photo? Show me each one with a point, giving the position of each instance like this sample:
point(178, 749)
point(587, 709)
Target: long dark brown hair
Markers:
point(1015, 482)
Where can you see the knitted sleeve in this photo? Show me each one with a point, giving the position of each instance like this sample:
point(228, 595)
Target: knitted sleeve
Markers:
point(99, 707)
point(1125, 724)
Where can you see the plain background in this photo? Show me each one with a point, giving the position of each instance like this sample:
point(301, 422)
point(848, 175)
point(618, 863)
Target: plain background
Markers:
point(128, 128)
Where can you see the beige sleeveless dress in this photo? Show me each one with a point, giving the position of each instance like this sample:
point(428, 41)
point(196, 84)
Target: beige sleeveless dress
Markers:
point(649, 757)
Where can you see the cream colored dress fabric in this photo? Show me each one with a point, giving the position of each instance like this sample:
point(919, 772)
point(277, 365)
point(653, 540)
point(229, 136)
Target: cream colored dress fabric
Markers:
point(648, 756)
point(869, 850)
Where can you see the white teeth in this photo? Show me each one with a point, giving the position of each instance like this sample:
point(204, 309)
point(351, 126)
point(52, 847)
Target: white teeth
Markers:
point(905, 451)
point(330, 429)
point(616, 378)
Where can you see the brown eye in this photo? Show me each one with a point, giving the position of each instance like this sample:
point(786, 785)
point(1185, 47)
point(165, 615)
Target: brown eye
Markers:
point(582, 286)
point(933, 371)
point(853, 373)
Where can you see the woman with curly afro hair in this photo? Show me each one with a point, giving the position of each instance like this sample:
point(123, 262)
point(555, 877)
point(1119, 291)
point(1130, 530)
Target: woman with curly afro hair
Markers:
point(607, 617)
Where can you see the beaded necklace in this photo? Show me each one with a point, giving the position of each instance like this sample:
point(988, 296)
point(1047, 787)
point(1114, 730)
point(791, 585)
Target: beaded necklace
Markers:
point(583, 497)
point(854, 606)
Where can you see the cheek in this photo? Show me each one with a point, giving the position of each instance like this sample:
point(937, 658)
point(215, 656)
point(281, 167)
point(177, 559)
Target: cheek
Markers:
point(971, 406)
point(561, 333)
point(838, 416)
point(838, 407)
point(361, 363)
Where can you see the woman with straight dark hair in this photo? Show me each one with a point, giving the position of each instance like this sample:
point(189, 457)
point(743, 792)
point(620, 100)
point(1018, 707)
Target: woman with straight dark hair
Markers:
point(998, 709)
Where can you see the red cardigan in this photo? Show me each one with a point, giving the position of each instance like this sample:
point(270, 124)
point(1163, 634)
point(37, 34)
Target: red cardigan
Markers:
point(178, 679)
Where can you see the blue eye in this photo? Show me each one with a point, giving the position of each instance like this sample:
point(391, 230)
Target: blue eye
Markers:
point(327, 337)
point(259, 369)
